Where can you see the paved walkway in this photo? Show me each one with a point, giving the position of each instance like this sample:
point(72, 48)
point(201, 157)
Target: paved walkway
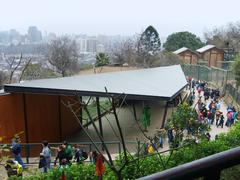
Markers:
point(223, 108)
point(214, 129)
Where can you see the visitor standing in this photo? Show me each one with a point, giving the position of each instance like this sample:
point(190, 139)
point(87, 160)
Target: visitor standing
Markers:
point(61, 156)
point(16, 150)
point(77, 154)
point(221, 122)
point(69, 153)
point(46, 151)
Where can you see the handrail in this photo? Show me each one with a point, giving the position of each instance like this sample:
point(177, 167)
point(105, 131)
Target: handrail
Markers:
point(89, 145)
point(209, 167)
point(72, 143)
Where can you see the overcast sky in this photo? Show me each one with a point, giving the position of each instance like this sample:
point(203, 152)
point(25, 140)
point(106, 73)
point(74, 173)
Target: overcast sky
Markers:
point(111, 17)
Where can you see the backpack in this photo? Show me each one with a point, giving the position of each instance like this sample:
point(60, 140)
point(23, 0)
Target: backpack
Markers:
point(229, 115)
point(84, 155)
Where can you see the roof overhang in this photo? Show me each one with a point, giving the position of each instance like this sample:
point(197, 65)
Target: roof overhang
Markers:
point(162, 83)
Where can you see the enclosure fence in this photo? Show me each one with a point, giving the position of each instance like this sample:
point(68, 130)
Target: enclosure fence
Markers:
point(220, 78)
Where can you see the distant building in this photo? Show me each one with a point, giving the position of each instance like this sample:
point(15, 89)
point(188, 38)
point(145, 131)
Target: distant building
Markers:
point(34, 35)
point(82, 44)
point(14, 37)
point(92, 45)
point(187, 55)
point(4, 37)
point(100, 48)
point(211, 55)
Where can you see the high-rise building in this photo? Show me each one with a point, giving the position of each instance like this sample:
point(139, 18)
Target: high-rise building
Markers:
point(34, 35)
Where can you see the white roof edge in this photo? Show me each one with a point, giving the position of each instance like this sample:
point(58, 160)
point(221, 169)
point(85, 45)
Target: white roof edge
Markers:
point(178, 51)
point(205, 48)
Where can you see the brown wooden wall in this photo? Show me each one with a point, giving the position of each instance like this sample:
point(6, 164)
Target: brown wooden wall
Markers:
point(42, 118)
point(189, 57)
point(69, 124)
point(11, 116)
point(212, 56)
point(47, 118)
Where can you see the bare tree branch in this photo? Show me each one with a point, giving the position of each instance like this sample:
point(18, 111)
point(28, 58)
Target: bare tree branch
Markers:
point(24, 69)
point(15, 68)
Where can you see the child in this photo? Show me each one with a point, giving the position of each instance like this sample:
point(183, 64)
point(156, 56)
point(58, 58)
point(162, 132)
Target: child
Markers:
point(13, 168)
point(42, 163)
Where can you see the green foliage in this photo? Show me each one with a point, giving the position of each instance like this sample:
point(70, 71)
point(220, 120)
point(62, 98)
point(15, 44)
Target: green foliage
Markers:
point(92, 108)
point(150, 41)
point(236, 69)
point(184, 119)
point(182, 39)
point(149, 45)
point(102, 59)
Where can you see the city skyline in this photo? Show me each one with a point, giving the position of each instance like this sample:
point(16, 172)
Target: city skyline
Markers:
point(117, 17)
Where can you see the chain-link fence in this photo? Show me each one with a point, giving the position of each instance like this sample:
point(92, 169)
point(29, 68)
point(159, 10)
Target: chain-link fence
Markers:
point(221, 78)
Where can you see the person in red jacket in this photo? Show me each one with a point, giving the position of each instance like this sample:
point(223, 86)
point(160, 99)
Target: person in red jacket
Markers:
point(100, 168)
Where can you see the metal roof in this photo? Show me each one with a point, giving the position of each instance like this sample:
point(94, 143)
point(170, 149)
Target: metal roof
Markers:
point(178, 51)
point(145, 84)
point(205, 48)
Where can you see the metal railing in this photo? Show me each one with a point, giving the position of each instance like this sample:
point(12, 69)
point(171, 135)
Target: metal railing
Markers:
point(30, 152)
point(220, 78)
point(209, 167)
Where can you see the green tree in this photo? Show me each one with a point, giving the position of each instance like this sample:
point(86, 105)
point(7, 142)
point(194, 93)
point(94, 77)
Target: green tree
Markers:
point(185, 119)
point(102, 59)
point(148, 46)
point(182, 39)
point(236, 70)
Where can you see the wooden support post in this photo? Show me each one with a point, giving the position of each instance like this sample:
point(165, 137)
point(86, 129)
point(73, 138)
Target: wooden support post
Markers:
point(99, 116)
point(25, 118)
point(60, 118)
point(81, 110)
point(180, 96)
point(165, 115)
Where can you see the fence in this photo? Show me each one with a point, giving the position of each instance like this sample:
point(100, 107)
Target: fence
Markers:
point(209, 167)
point(221, 78)
point(30, 152)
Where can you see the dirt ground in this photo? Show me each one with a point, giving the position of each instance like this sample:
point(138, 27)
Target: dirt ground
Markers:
point(105, 69)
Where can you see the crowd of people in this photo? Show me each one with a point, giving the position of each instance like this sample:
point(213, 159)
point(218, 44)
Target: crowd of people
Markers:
point(209, 106)
point(66, 155)
point(207, 103)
